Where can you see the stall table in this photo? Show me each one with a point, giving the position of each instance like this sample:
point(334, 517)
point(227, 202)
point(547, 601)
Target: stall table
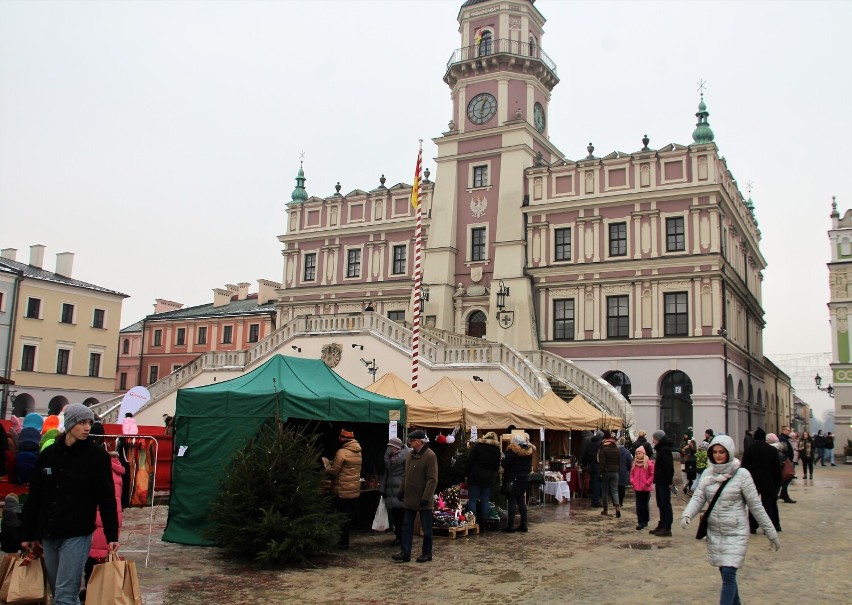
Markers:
point(559, 490)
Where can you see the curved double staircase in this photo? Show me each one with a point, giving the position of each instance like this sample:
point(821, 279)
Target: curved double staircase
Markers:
point(443, 352)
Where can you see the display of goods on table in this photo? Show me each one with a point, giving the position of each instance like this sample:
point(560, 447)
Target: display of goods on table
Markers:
point(449, 518)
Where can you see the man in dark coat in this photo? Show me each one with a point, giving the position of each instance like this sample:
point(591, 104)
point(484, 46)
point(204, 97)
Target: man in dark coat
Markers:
point(642, 442)
point(761, 460)
point(591, 466)
point(72, 482)
point(482, 465)
point(663, 482)
point(417, 492)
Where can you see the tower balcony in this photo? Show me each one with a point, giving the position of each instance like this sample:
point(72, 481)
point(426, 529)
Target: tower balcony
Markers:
point(502, 53)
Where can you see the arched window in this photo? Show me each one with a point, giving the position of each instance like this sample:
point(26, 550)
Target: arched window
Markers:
point(485, 46)
point(533, 47)
point(125, 348)
point(620, 381)
point(675, 404)
point(476, 324)
point(55, 405)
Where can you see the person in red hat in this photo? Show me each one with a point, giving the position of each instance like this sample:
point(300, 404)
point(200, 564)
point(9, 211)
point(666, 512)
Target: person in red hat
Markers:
point(345, 471)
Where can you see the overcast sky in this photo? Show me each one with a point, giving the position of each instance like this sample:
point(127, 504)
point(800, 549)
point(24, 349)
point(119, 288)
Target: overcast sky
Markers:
point(159, 141)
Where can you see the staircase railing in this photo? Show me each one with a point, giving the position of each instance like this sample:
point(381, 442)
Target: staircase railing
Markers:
point(440, 350)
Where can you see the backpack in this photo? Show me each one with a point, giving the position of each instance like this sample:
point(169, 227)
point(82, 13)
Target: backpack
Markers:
point(701, 459)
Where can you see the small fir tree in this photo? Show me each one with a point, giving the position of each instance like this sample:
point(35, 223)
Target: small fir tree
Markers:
point(271, 507)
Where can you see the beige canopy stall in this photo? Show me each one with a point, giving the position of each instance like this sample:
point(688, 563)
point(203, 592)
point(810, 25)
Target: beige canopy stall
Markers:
point(482, 405)
point(556, 418)
point(419, 411)
point(587, 410)
point(579, 421)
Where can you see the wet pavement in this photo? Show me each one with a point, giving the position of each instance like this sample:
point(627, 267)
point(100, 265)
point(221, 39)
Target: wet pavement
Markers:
point(572, 554)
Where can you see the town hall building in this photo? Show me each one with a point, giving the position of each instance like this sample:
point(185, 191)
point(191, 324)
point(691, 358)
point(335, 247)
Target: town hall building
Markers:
point(642, 267)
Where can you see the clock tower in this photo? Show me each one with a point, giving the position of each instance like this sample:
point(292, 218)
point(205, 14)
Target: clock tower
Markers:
point(500, 83)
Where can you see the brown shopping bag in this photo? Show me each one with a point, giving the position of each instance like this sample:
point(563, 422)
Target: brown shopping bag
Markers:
point(5, 566)
point(114, 582)
point(25, 581)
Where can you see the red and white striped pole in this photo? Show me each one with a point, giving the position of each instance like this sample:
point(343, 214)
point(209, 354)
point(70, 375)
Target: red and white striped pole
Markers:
point(418, 272)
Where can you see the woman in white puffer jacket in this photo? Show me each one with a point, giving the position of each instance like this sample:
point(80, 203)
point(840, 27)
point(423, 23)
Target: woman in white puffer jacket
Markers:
point(727, 528)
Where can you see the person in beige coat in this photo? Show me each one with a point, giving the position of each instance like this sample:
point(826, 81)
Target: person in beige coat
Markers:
point(417, 492)
point(345, 471)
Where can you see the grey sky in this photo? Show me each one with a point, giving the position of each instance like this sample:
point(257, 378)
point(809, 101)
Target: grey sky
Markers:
point(159, 140)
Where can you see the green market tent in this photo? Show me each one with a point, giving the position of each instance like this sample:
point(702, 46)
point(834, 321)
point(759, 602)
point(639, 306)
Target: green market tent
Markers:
point(212, 422)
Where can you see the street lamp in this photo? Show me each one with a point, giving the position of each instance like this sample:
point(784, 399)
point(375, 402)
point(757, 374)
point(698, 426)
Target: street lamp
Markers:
point(502, 295)
point(372, 368)
point(829, 389)
point(424, 297)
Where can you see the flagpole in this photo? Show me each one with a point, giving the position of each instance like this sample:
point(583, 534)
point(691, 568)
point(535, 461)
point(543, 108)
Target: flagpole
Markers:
point(418, 272)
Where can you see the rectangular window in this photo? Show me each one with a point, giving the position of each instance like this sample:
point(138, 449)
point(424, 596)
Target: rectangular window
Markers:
point(33, 308)
point(480, 176)
point(94, 365)
point(310, 273)
point(98, 318)
point(563, 244)
point(618, 239)
point(353, 263)
point(227, 335)
point(122, 382)
point(158, 338)
point(67, 314)
point(202, 335)
point(676, 314)
point(63, 356)
point(153, 374)
point(254, 332)
point(125, 347)
point(176, 367)
point(563, 319)
point(398, 260)
point(180, 337)
point(397, 316)
point(617, 317)
point(477, 243)
point(28, 355)
point(675, 239)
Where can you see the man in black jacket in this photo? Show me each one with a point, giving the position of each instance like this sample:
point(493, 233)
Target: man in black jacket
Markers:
point(663, 481)
point(591, 466)
point(72, 480)
point(761, 460)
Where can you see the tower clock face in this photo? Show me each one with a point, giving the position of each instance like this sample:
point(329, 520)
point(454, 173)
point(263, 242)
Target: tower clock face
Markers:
point(538, 116)
point(481, 108)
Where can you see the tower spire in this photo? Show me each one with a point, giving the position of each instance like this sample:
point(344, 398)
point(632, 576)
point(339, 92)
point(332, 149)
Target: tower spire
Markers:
point(300, 194)
point(702, 133)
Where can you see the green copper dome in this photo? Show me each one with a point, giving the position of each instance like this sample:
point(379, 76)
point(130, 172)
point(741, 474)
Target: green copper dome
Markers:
point(702, 133)
point(299, 194)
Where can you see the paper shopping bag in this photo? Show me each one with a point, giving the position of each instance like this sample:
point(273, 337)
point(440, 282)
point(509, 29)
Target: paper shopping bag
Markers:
point(26, 581)
point(114, 582)
point(5, 567)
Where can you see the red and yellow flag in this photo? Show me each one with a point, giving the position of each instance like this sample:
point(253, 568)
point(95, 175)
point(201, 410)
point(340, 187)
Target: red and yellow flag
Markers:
point(415, 188)
point(477, 35)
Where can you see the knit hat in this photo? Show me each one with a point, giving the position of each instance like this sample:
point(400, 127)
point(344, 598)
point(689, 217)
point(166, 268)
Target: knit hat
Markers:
point(395, 442)
point(33, 420)
point(76, 413)
point(772, 438)
point(760, 435)
point(418, 434)
point(345, 435)
point(11, 503)
point(709, 432)
point(658, 435)
point(51, 422)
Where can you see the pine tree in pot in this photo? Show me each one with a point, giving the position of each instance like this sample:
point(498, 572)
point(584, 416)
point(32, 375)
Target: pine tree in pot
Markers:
point(270, 507)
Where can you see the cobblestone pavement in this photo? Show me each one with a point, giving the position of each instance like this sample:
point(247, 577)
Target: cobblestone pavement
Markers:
point(572, 554)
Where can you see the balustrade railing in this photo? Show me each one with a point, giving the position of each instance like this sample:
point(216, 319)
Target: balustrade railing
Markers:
point(501, 46)
point(439, 349)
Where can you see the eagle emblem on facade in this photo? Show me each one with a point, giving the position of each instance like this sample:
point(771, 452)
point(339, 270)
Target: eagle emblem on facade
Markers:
point(478, 206)
point(331, 354)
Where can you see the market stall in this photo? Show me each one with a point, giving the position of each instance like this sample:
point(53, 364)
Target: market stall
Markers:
point(213, 422)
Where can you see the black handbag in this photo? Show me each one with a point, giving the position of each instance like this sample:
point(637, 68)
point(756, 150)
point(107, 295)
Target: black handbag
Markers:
point(702, 523)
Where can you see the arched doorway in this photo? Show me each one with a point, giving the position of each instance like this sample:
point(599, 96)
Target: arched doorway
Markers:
point(476, 324)
point(676, 404)
point(89, 402)
point(23, 405)
point(620, 381)
point(55, 405)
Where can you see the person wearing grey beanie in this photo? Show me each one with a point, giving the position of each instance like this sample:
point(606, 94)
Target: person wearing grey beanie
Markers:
point(72, 481)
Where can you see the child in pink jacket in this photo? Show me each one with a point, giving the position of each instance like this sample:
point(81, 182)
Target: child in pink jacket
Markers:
point(642, 480)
